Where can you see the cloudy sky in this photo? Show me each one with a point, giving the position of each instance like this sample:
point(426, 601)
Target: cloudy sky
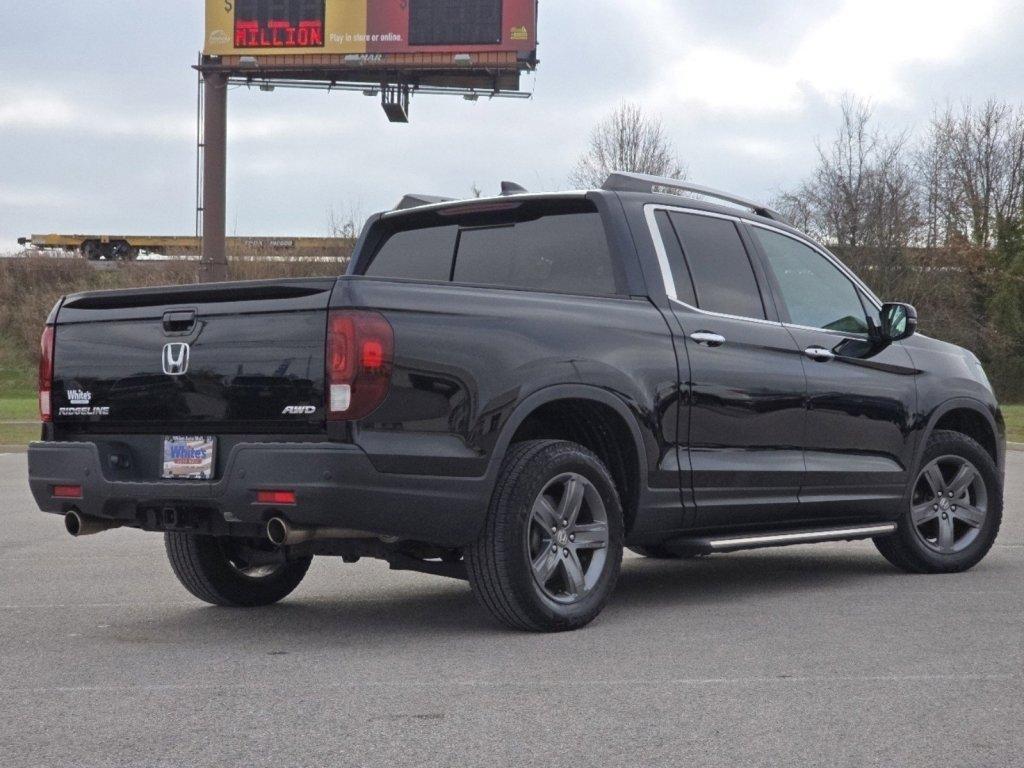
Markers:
point(97, 106)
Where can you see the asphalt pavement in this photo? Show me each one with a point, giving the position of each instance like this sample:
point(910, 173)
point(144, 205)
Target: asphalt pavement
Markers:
point(820, 655)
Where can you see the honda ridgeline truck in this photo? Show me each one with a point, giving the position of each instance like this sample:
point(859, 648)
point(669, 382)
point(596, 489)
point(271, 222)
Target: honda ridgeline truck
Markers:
point(511, 391)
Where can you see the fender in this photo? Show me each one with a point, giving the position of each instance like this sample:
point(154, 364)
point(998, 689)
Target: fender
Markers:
point(565, 392)
point(955, 403)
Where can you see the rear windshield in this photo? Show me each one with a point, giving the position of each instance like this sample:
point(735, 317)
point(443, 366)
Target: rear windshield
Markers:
point(560, 248)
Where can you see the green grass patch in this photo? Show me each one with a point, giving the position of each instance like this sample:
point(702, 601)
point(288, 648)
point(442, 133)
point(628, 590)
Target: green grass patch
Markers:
point(19, 408)
point(1014, 416)
point(18, 434)
point(17, 377)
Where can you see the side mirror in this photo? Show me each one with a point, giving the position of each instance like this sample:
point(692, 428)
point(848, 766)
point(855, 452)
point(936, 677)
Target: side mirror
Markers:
point(899, 321)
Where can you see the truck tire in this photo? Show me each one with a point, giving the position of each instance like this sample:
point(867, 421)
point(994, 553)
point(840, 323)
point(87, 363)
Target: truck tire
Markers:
point(215, 571)
point(122, 251)
point(550, 552)
point(955, 511)
point(92, 250)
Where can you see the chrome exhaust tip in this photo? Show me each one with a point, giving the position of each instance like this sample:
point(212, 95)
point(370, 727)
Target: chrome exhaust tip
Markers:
point(78, 524)
point(278, 531)
point(283, 534)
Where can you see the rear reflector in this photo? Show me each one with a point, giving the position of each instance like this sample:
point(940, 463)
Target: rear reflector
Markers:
point(67, 491)
point(275, 497)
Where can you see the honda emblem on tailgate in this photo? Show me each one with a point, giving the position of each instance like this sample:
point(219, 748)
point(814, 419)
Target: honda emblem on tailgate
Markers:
point(175, 359)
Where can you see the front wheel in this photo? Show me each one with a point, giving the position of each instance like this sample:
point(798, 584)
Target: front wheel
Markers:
point(549, 555)
point(955, 510)
point(233, 572)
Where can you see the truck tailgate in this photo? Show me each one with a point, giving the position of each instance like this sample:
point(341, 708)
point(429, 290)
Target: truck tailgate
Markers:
point(222, 358)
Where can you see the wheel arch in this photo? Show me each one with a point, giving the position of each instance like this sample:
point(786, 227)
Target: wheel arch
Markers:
point(969, 417)
point(592, 417)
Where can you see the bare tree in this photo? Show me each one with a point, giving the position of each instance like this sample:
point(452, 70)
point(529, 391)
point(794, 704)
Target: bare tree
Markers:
point(863, 192)
point(972, 165)
point(629, 139)
point(938, 194)
point(347, 223)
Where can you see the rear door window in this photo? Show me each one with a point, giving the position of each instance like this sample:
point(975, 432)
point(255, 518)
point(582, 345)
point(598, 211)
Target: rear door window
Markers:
point(677, 263)
point(723, 277)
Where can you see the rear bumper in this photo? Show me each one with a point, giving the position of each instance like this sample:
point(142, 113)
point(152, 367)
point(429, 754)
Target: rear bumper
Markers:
point(335, 486)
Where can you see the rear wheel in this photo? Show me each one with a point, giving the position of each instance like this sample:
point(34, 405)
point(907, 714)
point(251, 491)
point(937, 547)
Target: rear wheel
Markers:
point(233, 572)
point(550, 552)
point(955, 511)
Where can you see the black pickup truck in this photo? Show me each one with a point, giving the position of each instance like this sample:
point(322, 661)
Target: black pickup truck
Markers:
point(512, 390)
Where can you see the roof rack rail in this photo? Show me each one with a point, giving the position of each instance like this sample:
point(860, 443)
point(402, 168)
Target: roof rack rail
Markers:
point(640, 182)
point(418, 201)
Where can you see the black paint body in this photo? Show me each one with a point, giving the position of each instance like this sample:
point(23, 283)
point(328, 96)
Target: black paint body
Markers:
point(747, 436)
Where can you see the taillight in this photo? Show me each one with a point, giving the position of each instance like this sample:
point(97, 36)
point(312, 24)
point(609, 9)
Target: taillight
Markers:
point(360, 356)
point(46, 374)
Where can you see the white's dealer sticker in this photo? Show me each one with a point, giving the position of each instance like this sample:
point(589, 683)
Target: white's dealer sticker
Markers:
point(80, 400)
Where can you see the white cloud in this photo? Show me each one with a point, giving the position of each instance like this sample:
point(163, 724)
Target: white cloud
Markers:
point(56, 113)
point(26, 111)
point(863, 48)
point(722, 79)
point(756, 148)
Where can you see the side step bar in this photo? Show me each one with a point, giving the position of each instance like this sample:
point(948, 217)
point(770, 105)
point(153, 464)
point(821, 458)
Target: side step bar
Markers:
point(708, 545)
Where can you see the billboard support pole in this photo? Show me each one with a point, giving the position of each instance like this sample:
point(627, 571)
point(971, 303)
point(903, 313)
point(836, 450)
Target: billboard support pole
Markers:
point(215, 129)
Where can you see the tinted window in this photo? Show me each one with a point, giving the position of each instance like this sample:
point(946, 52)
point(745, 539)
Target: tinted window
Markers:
point(723, 279)
point(417, 254)
point(566, 253)
point(815, 292)
point(680, 272)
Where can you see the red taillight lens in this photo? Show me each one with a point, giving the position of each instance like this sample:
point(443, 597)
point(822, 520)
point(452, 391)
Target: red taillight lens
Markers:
point(360, 356)
point(67, 491)
point(275, 497)
point(46, 374)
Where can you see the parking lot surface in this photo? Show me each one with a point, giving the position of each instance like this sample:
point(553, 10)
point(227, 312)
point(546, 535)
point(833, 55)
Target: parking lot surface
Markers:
point(814, 655)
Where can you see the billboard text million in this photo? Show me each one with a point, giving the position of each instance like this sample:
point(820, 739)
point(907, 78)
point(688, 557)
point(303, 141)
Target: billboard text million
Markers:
point(278, 34)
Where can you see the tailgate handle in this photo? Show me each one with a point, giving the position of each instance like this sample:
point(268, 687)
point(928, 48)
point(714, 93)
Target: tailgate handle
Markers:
point(181, 321)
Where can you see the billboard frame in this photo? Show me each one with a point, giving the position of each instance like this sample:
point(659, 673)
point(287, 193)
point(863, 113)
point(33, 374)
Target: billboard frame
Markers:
point(396, 75)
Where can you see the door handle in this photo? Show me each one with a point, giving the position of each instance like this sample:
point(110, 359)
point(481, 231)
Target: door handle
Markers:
point(708, 339)
point(820, 354)
point(180, 322)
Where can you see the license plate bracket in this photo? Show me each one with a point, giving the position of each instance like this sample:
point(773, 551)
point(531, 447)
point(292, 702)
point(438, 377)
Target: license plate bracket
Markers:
point(188, 457)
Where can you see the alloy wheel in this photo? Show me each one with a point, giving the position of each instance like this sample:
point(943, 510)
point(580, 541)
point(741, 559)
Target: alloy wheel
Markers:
point(567, 538)
point(950, 504)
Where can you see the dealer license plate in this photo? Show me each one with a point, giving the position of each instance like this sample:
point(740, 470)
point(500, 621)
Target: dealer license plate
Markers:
point(189, 458)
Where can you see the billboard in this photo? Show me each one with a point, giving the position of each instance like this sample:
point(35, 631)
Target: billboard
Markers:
point(375, 31)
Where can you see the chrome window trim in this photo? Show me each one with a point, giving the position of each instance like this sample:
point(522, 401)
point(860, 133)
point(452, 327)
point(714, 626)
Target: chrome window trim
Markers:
point(668, 279)
point(670, 284)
